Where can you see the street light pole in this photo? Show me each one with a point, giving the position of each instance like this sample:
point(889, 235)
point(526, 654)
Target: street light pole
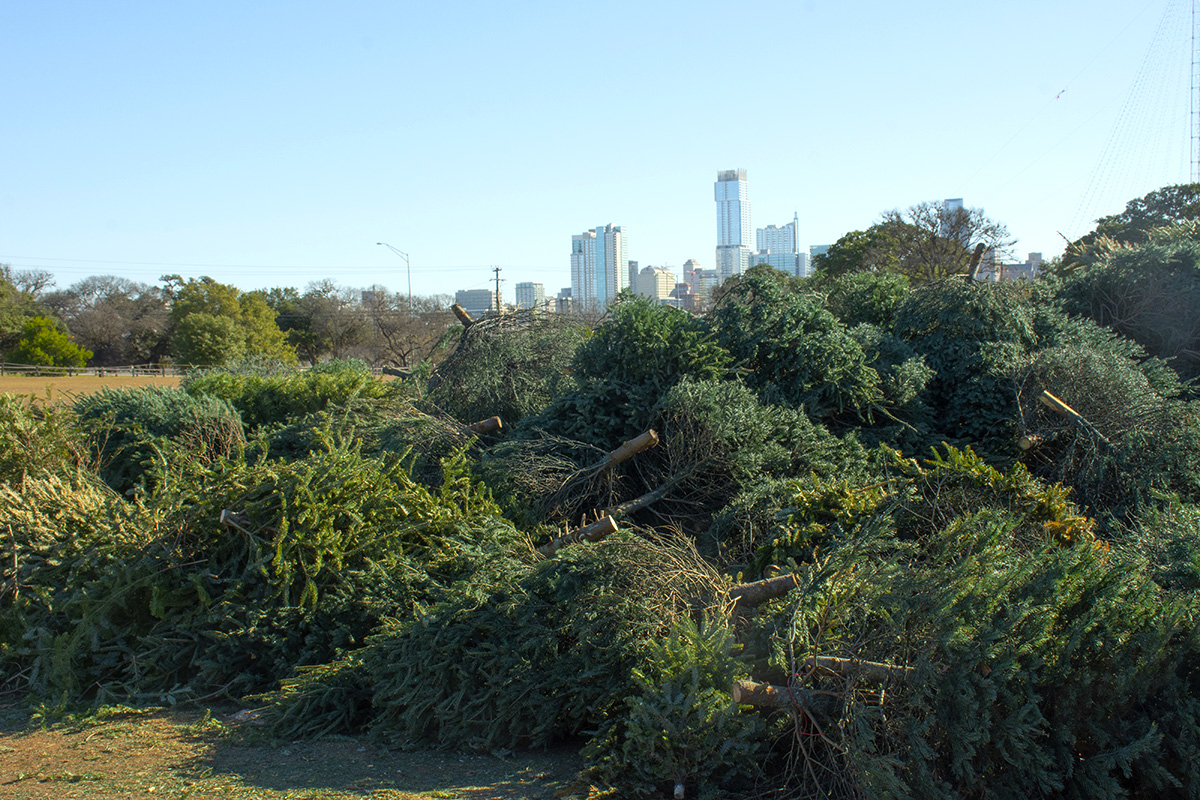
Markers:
point(407, 266)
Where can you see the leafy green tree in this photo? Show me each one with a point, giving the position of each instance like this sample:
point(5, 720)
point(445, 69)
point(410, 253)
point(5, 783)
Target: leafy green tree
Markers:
point(42, 343)
point(16, 306)
point(249, 330)
point(208, 340)
point(1157, 209)
point(263, 337)
point(925, 242)
point(855, 252)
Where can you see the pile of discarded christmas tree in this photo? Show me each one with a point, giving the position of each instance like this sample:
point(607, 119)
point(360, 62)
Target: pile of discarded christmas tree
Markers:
point(839, 537)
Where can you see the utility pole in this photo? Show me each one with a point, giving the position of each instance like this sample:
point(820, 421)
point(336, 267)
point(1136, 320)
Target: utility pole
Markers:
point(407, 267)
point(497, 271)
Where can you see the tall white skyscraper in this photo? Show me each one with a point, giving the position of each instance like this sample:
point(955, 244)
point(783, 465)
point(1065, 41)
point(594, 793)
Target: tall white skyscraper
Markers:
point(530, 295)
point(733, 222)
point(599, 267)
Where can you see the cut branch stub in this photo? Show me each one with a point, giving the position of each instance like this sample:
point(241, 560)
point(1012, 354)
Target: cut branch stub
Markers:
point(588, 533)
point(749, 595)
point(489, 425)
point(466, 319)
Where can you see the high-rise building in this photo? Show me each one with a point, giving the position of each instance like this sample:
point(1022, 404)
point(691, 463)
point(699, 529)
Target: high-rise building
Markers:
point(690, 268)
point(950, 222)
point(599, 268)
point(530, 295)
point(733, 222)
point(779, 247)
point(707, 280)
point(656, 283)
point(475, 302)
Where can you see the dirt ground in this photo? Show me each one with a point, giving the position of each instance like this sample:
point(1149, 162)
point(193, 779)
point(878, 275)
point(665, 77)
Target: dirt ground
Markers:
point(67, 389)
point(176, 755)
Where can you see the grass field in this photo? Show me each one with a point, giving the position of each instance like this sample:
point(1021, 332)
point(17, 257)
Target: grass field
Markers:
point(65, 389)
point(179, 755)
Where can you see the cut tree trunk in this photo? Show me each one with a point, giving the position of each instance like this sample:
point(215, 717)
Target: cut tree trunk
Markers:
point(588, 533)
point(627, 451)
point(466, 319)
point(749, 595)
point(763, 695)
point(489, 425)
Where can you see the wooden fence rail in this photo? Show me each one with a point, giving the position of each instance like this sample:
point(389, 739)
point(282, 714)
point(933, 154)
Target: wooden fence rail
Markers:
point(133, 370)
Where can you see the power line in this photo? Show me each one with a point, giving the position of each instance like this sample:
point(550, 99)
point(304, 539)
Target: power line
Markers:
point(311, 267)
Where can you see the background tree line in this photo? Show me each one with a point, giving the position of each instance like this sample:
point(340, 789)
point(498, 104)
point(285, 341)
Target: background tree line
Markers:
point(108, 320)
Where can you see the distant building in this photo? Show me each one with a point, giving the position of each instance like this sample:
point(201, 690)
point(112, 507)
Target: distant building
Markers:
point(992, 270)
point(690, 267)
point(779, 247)
point(683, 297)
point(656, 283)
point(633, 276)
point(530, 295)
point(952, 210)
point(599, 268)
point(562, 303)
point(707, 280)
point(733, 222)
point(476, 302)
point(815, 250)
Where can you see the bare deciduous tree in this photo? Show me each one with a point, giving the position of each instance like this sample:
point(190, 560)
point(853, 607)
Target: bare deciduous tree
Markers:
point(930, 240)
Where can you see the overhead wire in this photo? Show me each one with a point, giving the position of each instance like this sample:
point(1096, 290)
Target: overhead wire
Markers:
point(1135, 152)
point(1058, 96)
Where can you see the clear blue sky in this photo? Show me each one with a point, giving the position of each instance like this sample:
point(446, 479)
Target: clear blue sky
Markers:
point(274, 143)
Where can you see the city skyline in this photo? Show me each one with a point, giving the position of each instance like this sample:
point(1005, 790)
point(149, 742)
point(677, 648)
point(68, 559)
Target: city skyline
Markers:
point(271, 145)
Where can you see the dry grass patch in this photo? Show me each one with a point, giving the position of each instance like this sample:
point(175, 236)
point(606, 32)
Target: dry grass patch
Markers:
point(175, 755)
point(66, 389)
